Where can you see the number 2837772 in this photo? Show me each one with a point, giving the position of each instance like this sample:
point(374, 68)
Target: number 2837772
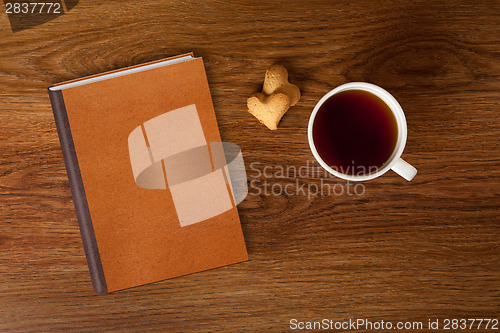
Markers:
point(33, 8)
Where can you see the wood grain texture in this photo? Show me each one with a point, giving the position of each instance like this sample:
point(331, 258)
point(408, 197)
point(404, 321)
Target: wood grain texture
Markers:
point(426, 249)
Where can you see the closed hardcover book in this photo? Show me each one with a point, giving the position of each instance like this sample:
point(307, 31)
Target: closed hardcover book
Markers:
point(151, 187)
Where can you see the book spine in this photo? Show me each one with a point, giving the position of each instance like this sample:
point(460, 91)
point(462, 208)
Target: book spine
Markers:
point(78, 192)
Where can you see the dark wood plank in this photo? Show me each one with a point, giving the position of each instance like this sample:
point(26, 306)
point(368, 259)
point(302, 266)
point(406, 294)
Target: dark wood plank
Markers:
point(428, 249)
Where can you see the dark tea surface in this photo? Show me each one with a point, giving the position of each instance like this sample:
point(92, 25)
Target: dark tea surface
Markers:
point(355, 132)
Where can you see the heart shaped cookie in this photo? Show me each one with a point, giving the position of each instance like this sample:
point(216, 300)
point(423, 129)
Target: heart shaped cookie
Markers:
point(276, 81)
point(268, 109)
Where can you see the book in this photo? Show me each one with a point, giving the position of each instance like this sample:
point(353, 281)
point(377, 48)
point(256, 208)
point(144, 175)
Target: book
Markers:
point(149, 180)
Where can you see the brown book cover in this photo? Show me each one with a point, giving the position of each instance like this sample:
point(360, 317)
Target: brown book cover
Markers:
point(151, 191)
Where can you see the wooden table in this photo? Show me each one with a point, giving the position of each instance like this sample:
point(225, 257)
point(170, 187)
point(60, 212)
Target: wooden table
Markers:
point(402, 251)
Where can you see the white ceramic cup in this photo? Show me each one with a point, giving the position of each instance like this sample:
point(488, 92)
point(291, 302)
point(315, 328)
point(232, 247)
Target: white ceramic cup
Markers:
point(395, 162)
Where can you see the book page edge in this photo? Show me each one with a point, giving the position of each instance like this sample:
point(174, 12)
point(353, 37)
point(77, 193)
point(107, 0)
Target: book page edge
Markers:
point(121, 73)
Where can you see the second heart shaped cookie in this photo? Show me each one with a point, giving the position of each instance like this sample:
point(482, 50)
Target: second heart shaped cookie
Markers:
point(276, 81)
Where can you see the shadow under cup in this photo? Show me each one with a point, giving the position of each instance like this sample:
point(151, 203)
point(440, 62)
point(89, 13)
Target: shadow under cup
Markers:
point(357, 131)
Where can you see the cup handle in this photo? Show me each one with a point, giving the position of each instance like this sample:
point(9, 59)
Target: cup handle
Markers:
point(404, 169)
